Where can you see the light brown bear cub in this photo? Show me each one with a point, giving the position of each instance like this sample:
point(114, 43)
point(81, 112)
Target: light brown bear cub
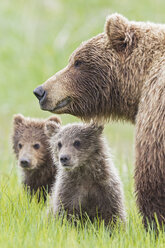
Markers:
point(87, 182)
point(30, 144)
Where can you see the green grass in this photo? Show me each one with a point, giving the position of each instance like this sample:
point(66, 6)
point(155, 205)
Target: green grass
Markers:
point(36, 39)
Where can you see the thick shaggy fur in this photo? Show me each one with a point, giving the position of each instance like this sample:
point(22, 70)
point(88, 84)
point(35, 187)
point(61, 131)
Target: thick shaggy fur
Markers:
point(88, 182)
point(119, 74)
point(31, 144)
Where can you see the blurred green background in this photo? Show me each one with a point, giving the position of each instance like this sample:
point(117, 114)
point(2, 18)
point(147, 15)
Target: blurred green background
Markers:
point(36, 39)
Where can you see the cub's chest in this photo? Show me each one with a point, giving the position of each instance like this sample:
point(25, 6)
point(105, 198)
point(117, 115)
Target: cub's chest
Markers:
point(83, 193)
point(78, 191)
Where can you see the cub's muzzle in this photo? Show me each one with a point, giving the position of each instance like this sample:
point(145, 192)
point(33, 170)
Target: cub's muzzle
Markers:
point(65, 160)
point(25, 163)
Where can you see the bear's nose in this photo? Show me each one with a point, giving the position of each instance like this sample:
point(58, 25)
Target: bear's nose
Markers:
point(64, 159)
point(39, 92)
point(24, 163)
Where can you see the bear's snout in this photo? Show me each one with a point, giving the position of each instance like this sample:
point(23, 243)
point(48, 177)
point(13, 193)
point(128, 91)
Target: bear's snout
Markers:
point(40, 93)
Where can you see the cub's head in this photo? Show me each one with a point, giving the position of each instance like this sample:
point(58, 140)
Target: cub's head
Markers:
point(75, 144)
point(30, 144)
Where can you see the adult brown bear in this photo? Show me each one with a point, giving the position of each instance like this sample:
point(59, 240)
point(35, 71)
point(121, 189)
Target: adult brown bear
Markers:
point(120, 74)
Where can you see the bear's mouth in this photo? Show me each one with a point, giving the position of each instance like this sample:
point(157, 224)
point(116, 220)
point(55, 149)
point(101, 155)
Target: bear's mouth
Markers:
point(63, 103)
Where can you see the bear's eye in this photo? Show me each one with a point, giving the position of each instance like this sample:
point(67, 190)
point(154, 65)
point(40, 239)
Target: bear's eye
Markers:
point(59, 145)
point(76, 144)
point(19, 145)
point(77, 63)
point(36, 146)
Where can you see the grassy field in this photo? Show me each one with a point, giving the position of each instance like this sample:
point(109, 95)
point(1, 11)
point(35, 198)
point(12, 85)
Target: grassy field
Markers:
point(36, 39)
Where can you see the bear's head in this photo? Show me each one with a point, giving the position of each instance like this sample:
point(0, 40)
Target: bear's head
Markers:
point(30, 144)
point(74, 145)
point(92, 84)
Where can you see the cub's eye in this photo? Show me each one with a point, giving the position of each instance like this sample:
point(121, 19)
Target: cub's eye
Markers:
point(77, 63)
point(59, 145)
point(36, 146)
point(76, 144)
point(19, 145)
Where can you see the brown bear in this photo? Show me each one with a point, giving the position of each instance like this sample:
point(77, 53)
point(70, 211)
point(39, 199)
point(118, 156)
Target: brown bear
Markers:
point(31, 146)
point(86, 182)
point(120, 74)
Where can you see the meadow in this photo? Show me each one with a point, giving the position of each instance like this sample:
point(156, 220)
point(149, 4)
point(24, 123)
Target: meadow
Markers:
point(36, 39)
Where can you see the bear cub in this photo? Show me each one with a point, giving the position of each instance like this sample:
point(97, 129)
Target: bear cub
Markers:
point(87, 181)
point(31, 147)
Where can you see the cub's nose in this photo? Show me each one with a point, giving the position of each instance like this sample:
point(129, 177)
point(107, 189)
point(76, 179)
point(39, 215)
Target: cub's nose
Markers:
point(64, 159)
point(39, 92)
point(25, 163)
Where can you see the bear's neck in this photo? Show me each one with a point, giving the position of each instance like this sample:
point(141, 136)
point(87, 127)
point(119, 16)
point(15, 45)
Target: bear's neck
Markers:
point(135, 74)
point(127, 77)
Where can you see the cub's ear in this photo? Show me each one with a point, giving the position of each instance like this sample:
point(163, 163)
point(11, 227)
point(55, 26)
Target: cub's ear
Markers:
point(97, 129)
point(55, 119)
point(119, 32)
point(18, 119)
point(51, 128)
point(18, 126)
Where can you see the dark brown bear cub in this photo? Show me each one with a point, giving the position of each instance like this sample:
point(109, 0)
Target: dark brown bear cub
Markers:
point(87, 182)
point(30, 144)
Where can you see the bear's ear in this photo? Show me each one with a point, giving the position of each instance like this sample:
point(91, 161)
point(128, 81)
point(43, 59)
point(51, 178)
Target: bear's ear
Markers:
point(18, 119)
point(119, 32)
point(51, 128)
point(55, 119)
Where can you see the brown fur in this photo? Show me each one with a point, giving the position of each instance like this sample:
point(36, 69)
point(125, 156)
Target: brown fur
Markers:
point(87, 182)
point(120, 75)
point(40, 173)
